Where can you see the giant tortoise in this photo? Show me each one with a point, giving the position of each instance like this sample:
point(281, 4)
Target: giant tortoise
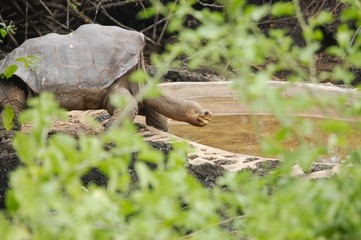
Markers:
point(84, 68)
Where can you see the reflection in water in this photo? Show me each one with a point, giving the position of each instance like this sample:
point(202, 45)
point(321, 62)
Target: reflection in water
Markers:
point(242, 134)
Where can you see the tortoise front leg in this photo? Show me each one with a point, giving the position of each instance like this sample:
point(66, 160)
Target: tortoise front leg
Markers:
point(154, 119)
point(12, 94)
point(131, 110)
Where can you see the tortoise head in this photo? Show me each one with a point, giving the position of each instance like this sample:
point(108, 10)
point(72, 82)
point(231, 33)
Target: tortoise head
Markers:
point(180, 109)
point(196, 115)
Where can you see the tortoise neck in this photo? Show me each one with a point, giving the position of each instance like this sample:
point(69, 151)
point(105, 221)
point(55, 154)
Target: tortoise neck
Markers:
point(171, 107)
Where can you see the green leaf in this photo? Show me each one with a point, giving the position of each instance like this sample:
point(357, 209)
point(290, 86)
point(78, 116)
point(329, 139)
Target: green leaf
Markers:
point(146, 178)
point(10, 70)
point(26, 147)
point(5, 29)
point(120, 101)
point(11, 204)
point(30, 61)
point(151, 92)
point(138, 76)
point(335, 126)
point(342, 74)
point(307, 53)
point(355, 59)
point(350, 14)
point(282, 9)
point(8, 117)
point(3, 33)
point(344, 36)
point(150, 156)
point(210, 31)
point(322, 18)
point(257, 12)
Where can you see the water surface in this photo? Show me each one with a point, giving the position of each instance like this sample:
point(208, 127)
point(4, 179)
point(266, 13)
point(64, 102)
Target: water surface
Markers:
point(243, 133)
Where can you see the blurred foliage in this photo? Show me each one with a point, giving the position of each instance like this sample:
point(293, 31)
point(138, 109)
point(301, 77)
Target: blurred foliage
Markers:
point(47, 200)
point(8, 113)
point(6, 29)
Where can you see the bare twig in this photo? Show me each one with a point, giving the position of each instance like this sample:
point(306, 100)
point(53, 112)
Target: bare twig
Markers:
point(28, 18)
point(27, 21)
point(212, 225)
point(337, 6)
point(163, 31)
point(155, 25)
point(67, 13)
point(358, 4)
point(304, 27)
point(105, 12)
point(113, 5)
point(352, 41)
point(96, 11)
point(262, 70)
point(5, 9)
point(60, 7)
point(310, 4)
point(57, 22)
point(141, 4)
point(209, 4)
point(321, 6)
point(151, 26)
point(284, 19)
point(46, 8)
point(122, 25)
point(166, 24)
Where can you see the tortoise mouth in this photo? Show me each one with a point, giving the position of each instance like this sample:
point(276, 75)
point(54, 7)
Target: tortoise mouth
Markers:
point(205, 118)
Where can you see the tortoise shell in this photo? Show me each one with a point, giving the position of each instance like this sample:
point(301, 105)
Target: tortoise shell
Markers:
point(83, 63)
